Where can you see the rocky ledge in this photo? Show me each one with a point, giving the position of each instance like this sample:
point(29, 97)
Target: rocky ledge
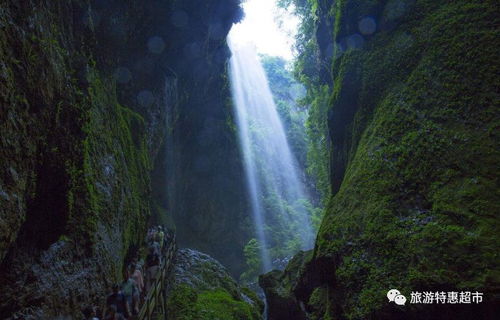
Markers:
point(201, 288)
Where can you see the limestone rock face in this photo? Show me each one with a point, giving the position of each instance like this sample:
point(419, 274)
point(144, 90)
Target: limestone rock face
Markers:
point(413, 124)
point(87, 89)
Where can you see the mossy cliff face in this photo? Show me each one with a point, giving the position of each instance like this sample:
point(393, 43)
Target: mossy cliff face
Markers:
point(75, 164)
point(84, 95)
point(413, 122)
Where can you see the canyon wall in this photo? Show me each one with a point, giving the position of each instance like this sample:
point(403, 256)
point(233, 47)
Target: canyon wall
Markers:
point(413, 123)
point(88, 92)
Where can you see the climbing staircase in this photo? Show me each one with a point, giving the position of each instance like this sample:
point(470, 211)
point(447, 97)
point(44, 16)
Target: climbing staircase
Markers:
point(154, 306)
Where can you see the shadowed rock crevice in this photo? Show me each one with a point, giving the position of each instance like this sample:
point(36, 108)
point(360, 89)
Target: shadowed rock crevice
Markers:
point(47, 213)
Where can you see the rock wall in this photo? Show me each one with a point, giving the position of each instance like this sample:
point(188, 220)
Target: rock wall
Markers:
point(207, 195)
point(85, 94)
point(200, 167)
point(413, 122)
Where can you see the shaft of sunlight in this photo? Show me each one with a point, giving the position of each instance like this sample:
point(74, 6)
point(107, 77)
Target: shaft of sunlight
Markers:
point(271, 168)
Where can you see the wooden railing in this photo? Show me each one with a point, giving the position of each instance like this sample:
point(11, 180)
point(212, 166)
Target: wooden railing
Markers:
point(155, 298)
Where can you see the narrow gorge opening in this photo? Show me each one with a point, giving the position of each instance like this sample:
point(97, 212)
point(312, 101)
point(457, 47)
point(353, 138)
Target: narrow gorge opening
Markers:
point(277, 186)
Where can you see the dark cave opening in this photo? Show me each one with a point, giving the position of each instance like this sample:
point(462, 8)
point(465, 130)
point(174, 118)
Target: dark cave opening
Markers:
point(47, 212)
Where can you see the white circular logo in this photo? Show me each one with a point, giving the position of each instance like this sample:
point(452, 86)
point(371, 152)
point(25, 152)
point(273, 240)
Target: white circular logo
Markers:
point(391, 294)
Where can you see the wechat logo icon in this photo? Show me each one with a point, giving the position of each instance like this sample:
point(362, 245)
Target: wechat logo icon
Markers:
point(395, 296)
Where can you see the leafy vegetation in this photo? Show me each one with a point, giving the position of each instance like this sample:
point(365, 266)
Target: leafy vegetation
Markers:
point(253, 260)
point(311, 70)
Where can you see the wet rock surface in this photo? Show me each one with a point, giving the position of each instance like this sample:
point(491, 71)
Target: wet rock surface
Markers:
point(55, 277)
point(201, 272)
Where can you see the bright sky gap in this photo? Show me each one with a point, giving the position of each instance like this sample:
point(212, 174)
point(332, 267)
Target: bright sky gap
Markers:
point(261, 28)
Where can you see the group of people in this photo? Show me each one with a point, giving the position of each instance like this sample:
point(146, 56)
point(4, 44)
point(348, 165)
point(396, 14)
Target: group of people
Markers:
point(127, 297)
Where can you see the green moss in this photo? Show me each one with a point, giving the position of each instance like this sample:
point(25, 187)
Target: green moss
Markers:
point(219, 304)
point(414, 127)
point(181, 303)
point(186, 303)
point(112, 176)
